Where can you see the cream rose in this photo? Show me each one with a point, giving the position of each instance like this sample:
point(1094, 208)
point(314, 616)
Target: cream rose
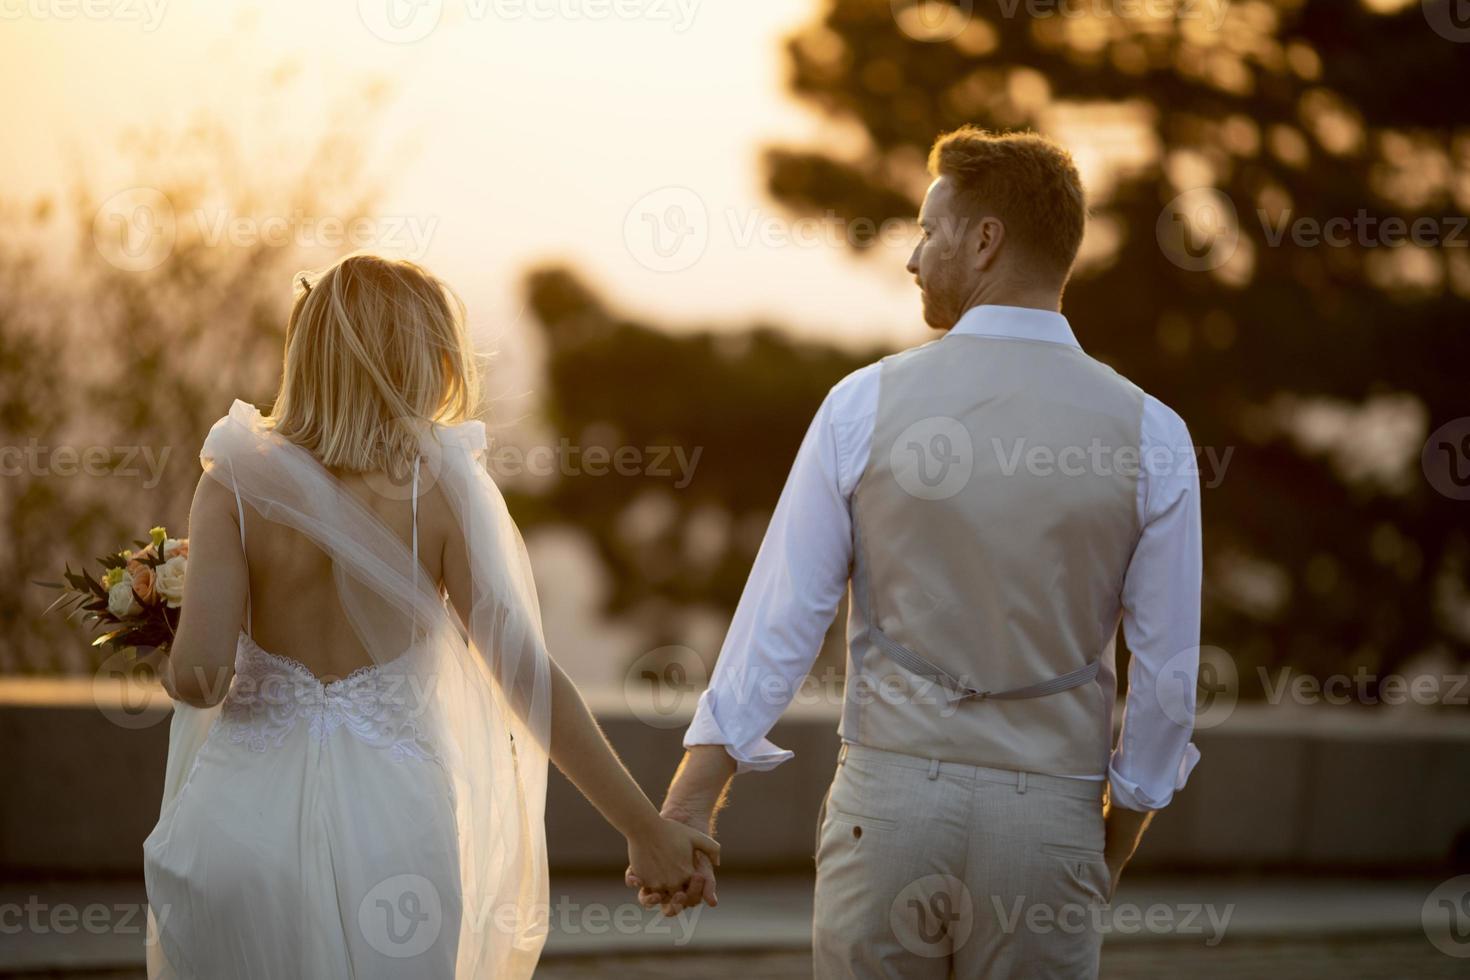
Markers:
point(120, 601)
point(168, 579)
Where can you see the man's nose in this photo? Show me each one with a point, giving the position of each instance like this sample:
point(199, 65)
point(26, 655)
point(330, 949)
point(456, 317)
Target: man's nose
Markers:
point(913, 263)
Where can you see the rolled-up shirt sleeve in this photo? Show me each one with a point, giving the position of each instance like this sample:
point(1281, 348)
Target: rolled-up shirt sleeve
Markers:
point(795, 585)
point(1161, 622)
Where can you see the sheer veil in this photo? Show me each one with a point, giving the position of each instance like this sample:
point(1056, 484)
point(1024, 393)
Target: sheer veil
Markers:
point(481, 692)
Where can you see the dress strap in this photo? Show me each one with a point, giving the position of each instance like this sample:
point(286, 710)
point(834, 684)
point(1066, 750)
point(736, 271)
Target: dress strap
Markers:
point(414, 503)
point(415, 519)
point(240, 511)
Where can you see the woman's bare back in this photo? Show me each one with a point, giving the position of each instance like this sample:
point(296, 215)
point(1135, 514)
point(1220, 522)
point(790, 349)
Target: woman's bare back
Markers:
point(295, 611)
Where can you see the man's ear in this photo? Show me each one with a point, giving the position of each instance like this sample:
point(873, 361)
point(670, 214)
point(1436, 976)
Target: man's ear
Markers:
point(990, 233)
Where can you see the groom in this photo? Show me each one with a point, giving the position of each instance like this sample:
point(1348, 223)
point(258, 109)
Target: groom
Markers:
point(998, 502)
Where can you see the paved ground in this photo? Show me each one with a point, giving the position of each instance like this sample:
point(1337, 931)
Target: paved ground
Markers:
point(1339, 959)
point(1383, 958)
point(1344, 929)
point(1294, 960)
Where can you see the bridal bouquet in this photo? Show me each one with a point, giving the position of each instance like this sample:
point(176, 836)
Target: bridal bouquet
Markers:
point(136, 600)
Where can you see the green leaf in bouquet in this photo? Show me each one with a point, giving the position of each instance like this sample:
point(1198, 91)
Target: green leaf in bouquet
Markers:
point(76, 588)
point(83, 582)
point(65, 599)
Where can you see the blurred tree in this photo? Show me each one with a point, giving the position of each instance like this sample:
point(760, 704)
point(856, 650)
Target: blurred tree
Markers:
point(1322, 367)
point(1311, 373)
point(114, 363)
point(733, 406)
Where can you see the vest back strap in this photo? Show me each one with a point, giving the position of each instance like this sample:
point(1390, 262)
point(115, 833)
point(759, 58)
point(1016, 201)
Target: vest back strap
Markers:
point(956, 690)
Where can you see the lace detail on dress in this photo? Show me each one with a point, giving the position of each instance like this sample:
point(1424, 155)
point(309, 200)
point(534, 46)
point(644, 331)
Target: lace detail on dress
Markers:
point(272, 694)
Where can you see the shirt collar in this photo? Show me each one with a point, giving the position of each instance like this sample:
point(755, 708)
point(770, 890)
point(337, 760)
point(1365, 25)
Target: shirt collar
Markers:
point(1016, 323)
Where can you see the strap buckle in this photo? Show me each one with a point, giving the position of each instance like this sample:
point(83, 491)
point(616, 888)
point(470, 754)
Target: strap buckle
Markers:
point(956, 690)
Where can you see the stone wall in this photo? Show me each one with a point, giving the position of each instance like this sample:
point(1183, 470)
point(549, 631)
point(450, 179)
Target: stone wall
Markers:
point(1327, 789)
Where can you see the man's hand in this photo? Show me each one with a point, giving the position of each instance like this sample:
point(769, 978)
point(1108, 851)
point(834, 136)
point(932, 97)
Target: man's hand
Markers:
point(701, 885)
point(1115, 870)
point(695, 796)
point(1122, 830)
point(664, 856)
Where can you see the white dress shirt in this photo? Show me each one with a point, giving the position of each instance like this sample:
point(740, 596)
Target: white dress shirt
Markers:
point(801, 572)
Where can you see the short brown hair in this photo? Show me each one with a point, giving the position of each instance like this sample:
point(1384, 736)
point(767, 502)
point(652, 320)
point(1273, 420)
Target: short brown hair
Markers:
point(1026, 180)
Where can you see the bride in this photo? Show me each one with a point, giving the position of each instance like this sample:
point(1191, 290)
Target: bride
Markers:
point(364, 703)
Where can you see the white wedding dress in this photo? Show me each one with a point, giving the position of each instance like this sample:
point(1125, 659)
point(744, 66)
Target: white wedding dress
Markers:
point(388, 824)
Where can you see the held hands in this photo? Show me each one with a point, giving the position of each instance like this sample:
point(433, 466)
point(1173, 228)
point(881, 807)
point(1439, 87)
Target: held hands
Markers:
point(695, 795)
point(666, 858)
point(699, 886)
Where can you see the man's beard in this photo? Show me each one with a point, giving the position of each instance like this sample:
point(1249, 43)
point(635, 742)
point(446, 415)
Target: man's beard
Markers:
point(932, 315)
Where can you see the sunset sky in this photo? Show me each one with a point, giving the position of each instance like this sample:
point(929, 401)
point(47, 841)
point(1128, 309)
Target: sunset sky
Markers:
point(512, 133)
point(506, 139)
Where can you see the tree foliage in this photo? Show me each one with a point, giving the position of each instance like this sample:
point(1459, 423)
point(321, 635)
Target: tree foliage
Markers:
point(113, 365)
point(1319, 369)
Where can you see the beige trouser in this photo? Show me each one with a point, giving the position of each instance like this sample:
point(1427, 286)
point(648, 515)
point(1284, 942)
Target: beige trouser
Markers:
point(938, 869)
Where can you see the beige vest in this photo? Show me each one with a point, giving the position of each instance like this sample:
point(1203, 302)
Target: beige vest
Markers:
point(992, 529)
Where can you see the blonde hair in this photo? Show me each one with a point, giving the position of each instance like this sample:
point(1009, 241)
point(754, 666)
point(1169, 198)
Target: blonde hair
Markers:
point(1026, 180)
point(375, 349)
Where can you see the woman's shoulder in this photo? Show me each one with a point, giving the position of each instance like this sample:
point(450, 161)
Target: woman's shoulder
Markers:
point(242, 425)
point(469, 434)
point(244, 415)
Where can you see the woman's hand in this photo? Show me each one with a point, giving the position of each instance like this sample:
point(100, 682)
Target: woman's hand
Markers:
point(699, 888)
point(661, 852)
point(662, 856)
